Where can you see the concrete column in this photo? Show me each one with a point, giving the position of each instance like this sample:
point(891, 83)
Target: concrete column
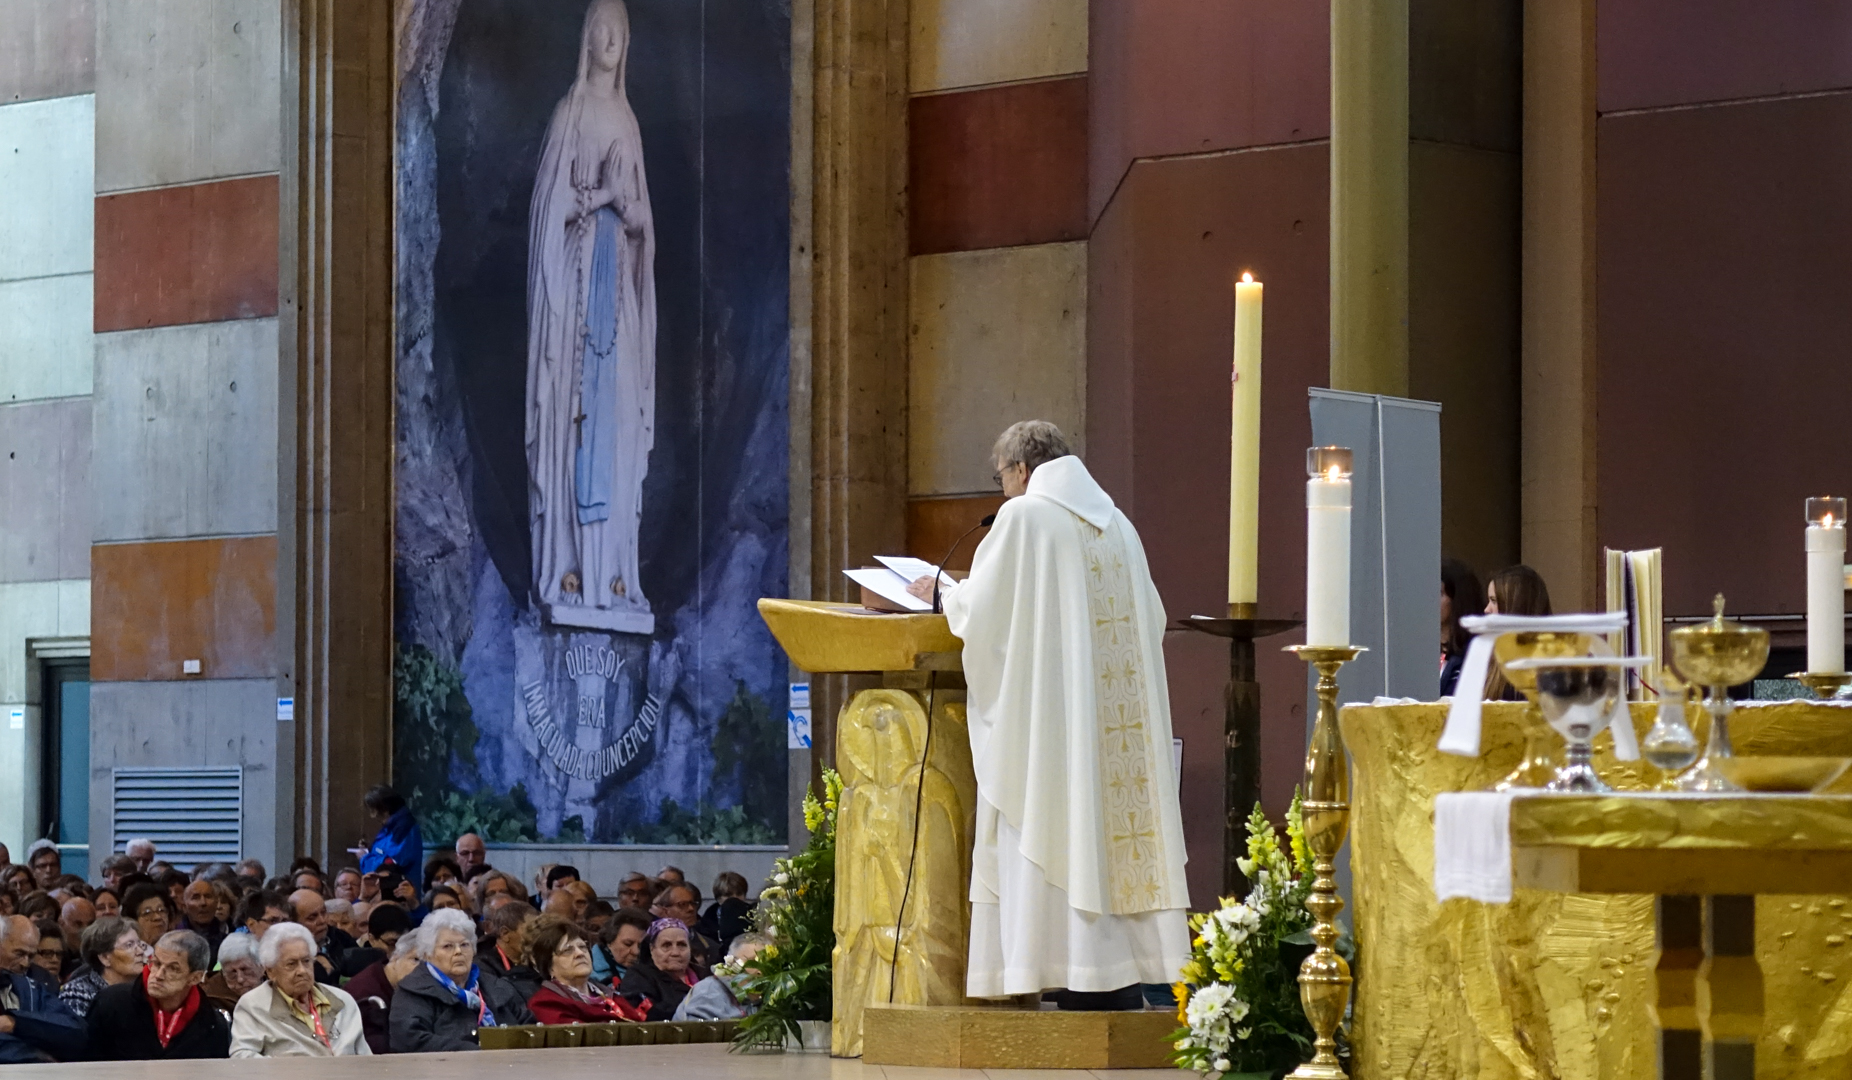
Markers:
point(1558, 322)
point(1369, 196)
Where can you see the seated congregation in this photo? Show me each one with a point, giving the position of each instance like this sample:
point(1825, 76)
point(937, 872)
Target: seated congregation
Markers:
point(153, 962)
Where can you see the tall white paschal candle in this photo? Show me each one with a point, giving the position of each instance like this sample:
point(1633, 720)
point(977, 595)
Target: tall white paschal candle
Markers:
point(1826, 595)
point(1327, 546)
point(1244, 449)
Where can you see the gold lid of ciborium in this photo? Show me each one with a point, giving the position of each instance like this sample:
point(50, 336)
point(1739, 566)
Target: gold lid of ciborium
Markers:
point(1720, 652)
point(1535, 644)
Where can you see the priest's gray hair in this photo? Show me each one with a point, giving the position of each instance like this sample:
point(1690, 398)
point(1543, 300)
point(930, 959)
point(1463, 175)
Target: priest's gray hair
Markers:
point(1029, 443)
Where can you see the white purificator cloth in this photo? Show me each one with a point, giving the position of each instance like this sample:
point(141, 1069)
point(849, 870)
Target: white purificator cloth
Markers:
point(1461, 735)
point(1472, 845)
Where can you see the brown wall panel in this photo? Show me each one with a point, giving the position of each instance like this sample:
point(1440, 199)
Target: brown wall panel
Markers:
point(998, 166)
point(188, 254)
point(934, 524)
point(1680, 52)
point(155, 605)
point(1162, 271)
point(47, 49)
point(1195, 76)
point(1723, 323)
point(1463, 339)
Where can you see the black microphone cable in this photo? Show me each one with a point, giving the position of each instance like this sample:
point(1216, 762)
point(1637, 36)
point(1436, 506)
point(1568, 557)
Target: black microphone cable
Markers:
point(919, 789)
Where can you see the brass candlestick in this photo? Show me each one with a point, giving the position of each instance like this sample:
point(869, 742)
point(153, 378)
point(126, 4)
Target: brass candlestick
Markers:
point(1324, 978)
point(1823, 684)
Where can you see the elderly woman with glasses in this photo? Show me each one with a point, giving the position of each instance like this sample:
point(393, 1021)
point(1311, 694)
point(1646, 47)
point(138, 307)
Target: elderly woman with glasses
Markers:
point(446, 999)
point(113, 953)
point(152, 908)
point(663, 973)
point(292, 1015)
point(569, 996)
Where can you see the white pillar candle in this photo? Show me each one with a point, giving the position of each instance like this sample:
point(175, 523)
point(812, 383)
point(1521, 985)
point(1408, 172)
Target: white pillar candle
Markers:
point(1244, 449)
point(1327, 546)
point(1826, 596)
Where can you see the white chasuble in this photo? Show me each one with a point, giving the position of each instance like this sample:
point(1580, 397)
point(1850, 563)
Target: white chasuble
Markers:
point(1077, 876)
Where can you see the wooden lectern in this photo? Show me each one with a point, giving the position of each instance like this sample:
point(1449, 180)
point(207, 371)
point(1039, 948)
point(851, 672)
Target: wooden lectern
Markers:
point(896, 843)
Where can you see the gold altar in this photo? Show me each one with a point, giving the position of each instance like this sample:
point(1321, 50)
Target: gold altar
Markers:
point(882, 736)
point(1559, 984)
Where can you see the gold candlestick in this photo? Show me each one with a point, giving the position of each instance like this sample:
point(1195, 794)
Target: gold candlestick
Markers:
point(1823, 684)
point(1324, 978)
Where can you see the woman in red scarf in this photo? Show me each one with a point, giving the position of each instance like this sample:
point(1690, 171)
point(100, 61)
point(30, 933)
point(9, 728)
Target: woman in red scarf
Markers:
point(569, 996)
point(163, 1014)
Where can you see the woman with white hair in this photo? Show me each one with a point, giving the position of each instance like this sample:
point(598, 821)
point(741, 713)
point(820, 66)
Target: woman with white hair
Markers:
point(292, 1015)
point(240, 971)
point(442, 1003)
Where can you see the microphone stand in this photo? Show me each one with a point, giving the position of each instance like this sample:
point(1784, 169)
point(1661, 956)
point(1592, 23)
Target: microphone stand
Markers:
point(938, 577)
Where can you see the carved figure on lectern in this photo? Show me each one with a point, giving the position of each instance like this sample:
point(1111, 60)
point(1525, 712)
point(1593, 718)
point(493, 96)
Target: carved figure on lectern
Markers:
point(883, 737)
point(1077, 874)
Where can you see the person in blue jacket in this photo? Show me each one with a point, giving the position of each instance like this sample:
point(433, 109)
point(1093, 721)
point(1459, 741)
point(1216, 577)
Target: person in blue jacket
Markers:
point(34, 1025)
point(398, 842)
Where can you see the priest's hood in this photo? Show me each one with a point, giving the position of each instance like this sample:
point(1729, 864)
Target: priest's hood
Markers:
point(1066, 482)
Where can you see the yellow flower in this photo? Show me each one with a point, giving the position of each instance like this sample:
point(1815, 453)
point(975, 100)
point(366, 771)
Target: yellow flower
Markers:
point(1182, 990)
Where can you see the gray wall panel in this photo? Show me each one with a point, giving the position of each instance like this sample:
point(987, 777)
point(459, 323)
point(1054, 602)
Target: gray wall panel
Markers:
point(45, 490)
point(208, 722)
point(186, 431)
point(187, 90)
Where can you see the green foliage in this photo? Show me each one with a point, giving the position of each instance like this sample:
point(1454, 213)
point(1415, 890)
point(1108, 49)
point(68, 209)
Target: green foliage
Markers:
point(498, 819)
point(749, 740)
point(700, 827)
point(790, 978)
point(431, 724)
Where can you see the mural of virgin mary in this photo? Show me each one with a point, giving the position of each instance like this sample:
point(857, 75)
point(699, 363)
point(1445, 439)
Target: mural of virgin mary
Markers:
point(591, 355)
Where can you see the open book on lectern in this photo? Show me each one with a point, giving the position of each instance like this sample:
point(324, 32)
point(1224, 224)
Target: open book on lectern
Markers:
point(884, 587)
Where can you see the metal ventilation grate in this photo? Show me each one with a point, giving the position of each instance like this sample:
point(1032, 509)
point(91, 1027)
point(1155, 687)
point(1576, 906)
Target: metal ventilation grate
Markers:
point(192, 815)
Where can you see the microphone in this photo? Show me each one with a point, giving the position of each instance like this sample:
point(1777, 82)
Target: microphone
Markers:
point(939, 578)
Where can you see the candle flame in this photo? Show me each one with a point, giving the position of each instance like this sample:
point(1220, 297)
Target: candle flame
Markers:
point(1247, 277)
point(1333, 473)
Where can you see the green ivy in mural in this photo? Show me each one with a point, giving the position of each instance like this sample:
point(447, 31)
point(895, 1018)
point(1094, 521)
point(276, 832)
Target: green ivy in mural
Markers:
point(749, 741)
point(702, 826)
point(431, 724)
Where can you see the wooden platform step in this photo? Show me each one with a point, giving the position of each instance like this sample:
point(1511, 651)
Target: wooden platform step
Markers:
point(965, 1037)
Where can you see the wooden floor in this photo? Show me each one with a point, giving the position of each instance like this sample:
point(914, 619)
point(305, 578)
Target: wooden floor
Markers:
point(591, 1063)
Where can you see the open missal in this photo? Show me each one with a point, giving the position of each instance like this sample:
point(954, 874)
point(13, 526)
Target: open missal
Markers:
point(884, 587)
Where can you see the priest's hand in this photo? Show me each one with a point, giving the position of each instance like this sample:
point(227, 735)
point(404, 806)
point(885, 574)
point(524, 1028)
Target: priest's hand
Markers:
point(922, 588)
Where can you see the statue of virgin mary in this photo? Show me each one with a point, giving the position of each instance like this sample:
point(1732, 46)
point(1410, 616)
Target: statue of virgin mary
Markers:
point(591, 344)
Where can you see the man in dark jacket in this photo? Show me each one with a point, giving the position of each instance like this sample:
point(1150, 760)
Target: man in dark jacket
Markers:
point(34, 1025)
point(441, 1003)
point(503, 952)
point(163, 1014)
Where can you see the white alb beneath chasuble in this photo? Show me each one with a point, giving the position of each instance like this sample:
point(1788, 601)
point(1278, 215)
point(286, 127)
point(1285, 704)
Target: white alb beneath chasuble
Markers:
point(1077, 875)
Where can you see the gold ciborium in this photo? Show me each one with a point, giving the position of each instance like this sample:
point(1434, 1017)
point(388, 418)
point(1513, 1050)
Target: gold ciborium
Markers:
point(1538, 766)
point(1717, 655)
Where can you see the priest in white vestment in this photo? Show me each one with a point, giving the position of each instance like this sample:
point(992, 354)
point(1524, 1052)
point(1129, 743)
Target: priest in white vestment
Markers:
point(1077, 878)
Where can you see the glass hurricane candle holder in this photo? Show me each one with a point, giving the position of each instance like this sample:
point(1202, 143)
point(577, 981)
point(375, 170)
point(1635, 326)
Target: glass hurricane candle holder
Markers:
point(1826, 512)
point(1334, 463)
